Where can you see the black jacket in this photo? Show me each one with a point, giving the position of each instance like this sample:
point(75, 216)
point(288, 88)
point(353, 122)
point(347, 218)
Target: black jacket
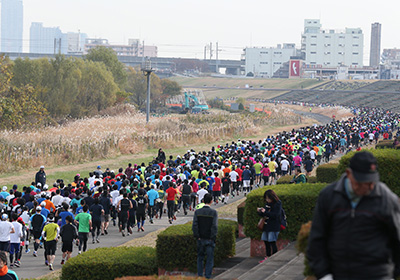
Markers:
point(205, 223)
point(273, 212)
point(40, 177)
point(359, 243)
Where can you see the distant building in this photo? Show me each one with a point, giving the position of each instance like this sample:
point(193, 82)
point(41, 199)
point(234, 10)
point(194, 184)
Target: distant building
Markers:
point(11, 25)
point(76, 42)
point(375, 50)
point(331, 48)
point(264, 62)
point(47, 40)
point(134, 48)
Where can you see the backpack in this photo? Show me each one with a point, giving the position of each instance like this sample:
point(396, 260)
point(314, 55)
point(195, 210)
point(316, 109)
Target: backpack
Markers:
point(283, 220)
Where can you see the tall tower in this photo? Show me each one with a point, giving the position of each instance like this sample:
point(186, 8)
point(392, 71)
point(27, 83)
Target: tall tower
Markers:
point(11, 25)
point(375, 51)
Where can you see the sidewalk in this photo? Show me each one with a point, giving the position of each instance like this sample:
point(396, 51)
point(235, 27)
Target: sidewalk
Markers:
point(284, 265)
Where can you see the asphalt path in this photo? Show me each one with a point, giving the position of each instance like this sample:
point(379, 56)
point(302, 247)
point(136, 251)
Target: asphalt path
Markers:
point(34, 267)
point(321, 119)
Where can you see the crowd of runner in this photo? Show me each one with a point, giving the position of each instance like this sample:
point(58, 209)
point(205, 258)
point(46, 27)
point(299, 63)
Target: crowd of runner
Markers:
point(85, 207)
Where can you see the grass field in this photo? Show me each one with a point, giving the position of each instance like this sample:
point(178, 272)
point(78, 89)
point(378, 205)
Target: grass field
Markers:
point(211, 93)
point(242, 82)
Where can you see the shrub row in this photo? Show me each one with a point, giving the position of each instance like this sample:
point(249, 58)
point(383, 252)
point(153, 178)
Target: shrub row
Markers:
point(327, 173)
point(388, 166)
point(164, 277)
point(110, 263)
point(297, 200)
point(177, 248)
point(288, 178)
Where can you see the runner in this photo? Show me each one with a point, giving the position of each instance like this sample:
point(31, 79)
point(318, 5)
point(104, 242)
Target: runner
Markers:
point(50, 234)
point(68, 234)
point(84, 222)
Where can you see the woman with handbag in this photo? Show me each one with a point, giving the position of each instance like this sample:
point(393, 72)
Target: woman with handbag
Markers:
point(271, 212)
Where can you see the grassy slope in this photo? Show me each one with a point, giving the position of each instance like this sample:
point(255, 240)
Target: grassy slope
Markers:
point(211, 93)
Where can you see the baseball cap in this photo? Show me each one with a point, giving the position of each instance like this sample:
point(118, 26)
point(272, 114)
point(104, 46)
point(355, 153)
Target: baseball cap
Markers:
point(38, 208)
point(364, 167)
point(98, 167)
point(42, 166)
point(19, 219)
point(4, 217)
point(43, 204)
point(4, 188)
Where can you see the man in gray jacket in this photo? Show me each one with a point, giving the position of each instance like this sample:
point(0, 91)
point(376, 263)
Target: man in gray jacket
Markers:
point(355, 231)
point(205, 227)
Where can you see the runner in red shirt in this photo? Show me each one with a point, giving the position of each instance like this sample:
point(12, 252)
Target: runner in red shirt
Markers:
point(172, 194)
point(216, 188)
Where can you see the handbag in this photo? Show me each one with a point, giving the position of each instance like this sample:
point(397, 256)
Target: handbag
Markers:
point(261, 223)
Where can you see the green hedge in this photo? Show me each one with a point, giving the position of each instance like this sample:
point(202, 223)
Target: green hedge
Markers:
point(288, 178)
point(297, 200)
point(388, 166)
point(240, 212)
point(177, 248)
point(384, 144)
point(110, 263)
point(327, 173)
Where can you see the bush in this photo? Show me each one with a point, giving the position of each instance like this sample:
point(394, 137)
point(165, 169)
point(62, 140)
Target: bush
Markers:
point(177, 248)
point(110, 263)
point(388, 166)
point(327, 173)
point(297, 200)
point(301, 245)
point(384, 144)
point(240, 212)
point(288, 178)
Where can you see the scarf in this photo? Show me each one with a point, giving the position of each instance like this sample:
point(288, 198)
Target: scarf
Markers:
point(3, 270)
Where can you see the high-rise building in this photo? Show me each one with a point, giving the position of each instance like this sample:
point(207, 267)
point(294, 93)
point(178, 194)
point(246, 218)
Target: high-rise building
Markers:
point(331, 48)
point(11, 25)
point(47, 40)
point(375, 51)
point(264, 62)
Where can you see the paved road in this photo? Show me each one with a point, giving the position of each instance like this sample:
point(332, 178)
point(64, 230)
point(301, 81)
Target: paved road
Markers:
point(32, 267)
point(321, 119)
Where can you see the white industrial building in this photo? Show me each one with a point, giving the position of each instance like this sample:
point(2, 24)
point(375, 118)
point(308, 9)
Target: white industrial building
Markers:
point(331, 48)
point(264, 62)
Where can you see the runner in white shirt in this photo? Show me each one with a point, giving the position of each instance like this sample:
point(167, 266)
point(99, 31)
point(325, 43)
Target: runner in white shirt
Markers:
point(234, 176)
point(201, 193)
point(6, 228)
point(284, 165)
point(15, 241)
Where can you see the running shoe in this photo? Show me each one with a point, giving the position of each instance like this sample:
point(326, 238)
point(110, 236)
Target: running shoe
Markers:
point(27, 251)
point(46, 262)
point(62, 261)
point(263, 260)
point(123, 234)
point(142, 228)
point(11, 265)
point(105, 231)
point(35, 254)
point(79, 252)
point(93, 241)
point(51, 267)
point(97, 240)
point(17, 264)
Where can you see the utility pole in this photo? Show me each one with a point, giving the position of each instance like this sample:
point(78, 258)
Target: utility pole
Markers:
point(55, 46)
point(211, 51)
point(59, 46)
point(216, 57)
point(205, 52)
point(146, 68)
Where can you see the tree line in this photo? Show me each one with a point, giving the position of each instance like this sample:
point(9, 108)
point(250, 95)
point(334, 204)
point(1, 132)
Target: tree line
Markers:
point(33, 92)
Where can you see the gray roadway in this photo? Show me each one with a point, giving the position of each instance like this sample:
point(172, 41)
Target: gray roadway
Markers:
point(33, 267)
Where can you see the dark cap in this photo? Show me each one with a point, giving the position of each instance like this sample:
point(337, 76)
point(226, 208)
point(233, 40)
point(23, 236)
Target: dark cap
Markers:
point(364, 167)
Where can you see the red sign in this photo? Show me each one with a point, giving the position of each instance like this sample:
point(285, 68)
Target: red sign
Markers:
point(294, 68)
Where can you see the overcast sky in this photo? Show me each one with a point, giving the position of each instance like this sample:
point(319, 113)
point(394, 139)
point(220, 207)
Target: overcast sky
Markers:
point(181, 28)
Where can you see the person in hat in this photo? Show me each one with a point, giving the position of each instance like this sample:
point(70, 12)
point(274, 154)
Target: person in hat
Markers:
point(4, 192)
point(355, 230)
point(40, 176)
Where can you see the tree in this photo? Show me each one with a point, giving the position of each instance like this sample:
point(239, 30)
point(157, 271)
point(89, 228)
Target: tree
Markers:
point(110, 60)
point(19, 106)
point(137, 86)
point(170, 88)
